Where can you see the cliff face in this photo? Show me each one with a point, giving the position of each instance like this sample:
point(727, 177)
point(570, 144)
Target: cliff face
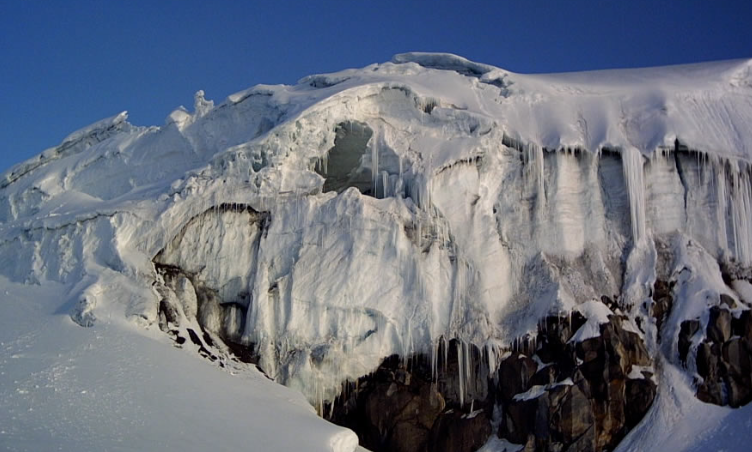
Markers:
point(503, 254)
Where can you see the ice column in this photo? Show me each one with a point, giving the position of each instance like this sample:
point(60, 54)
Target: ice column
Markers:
point(534, 160)
point(632, 162)
point(720, 192)
point(740, 211)
point(374, 165)
point(461, 370)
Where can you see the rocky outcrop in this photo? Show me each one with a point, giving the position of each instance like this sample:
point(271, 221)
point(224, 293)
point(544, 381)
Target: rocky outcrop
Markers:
point(458, 431)
point(723, 358)
point(585, 396)
point(189, 310)
point(407, 405)
point(663, 302)
point(550, 393)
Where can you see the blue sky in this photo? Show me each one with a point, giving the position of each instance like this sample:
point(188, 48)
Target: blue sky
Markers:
point(66, 64)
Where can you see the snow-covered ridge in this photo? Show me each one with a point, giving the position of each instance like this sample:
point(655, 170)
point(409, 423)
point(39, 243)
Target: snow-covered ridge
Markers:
point(73, 143)
point(403, 202)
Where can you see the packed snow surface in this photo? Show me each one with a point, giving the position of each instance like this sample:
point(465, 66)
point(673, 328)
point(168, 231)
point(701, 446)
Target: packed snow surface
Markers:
point(374, 211)
point(66, 388)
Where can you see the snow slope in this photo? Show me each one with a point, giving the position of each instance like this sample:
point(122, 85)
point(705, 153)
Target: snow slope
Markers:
point(66, 388)
point(374, 211)
point(680, 423)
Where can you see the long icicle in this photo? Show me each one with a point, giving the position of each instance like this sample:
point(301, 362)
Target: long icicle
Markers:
point(632, 162)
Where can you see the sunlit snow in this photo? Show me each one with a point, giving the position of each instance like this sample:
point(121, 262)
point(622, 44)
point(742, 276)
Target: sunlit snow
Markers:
point(464, 201)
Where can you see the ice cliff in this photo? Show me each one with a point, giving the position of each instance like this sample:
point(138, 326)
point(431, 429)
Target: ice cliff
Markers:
point(391, 209)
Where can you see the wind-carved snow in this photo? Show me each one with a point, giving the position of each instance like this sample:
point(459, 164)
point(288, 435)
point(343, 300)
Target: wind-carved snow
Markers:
point(383, 210)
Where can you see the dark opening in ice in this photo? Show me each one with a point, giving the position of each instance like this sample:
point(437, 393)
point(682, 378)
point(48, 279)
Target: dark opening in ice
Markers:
point(344, 166)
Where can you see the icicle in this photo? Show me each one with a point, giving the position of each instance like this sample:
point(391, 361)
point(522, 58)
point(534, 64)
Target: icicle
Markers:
point(434, 352)
point(374, 166)
point(741, 200)
point(468, 367)
point(460, 373)
point(720, 191)
point(490, 358)
point(400, 179)
point(425, 198)
point(632, 162)
point(536, 170)
point(445, 343)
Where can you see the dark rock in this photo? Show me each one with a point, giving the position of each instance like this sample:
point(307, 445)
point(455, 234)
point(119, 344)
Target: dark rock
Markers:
point(725, 367)
point(608, 301)
point(407, 436)
point(393, 409)
point(610, 414)
point(582, 383)
point(639, 395)
point(606, 361)
point(524, 419)
point(736, 356)
point(707, 360)
point(194, 337)
point(710, 392)
point(726, 274)
point(738, 378)
point(592, 353)
point(546, 375)
point(571, 416)
point(168, 315)
point(561, 417)
point(456, 431)
point(627, 347)
point(686, 332)
point(514, 375)
point(554, 334)
point(742, 326)
point(663, 302)
point(207, 339)
point(596, 409)
point(580, 400)
point(401, 416)
point(610, 356)
point(719, 325)
point(243, 353)
point(709, 389)
point(724, 359)
point(726, 300)
point(475, 384)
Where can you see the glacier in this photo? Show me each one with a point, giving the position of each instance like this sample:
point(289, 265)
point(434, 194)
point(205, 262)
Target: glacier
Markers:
point(390, 209)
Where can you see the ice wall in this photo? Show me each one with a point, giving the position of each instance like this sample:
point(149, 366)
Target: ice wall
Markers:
point(337, 282)
point(380, 211)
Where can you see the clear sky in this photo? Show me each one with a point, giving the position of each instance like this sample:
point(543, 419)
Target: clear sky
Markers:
point(66, 64)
